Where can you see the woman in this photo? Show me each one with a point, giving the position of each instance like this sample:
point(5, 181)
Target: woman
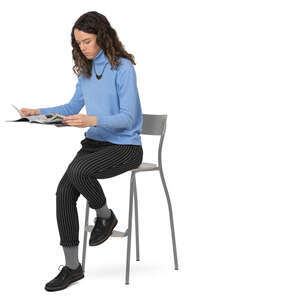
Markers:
point(112, 145)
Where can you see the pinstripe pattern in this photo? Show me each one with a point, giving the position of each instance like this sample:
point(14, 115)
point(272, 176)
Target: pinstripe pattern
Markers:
point(95, 160)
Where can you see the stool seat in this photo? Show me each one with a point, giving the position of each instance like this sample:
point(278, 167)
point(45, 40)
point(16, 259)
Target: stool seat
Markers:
point(145, 166)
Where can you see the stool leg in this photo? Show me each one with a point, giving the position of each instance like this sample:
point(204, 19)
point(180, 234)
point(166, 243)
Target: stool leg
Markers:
point(171, 217)
point(137, 243)
point(86, 221)
point(129, 228)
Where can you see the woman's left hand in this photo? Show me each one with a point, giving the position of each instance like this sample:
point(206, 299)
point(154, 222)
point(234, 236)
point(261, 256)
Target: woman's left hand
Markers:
point(80, 120)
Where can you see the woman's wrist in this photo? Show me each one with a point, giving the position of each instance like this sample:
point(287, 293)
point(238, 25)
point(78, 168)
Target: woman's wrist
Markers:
point(94, 121)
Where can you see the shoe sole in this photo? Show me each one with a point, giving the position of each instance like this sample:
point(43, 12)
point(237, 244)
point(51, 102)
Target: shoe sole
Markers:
point(100, 242)
point(66, 285)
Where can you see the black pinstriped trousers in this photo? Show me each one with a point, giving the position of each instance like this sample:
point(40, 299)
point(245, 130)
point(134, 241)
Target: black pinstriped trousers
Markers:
point(95, 160)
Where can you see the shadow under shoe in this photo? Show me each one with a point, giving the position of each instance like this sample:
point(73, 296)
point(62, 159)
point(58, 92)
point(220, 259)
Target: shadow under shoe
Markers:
point(64, 278)
point(102, 229)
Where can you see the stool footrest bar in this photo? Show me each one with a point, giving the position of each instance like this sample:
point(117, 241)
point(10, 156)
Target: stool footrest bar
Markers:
point(115, 233)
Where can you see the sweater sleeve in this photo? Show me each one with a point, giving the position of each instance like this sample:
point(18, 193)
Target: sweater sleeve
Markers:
point(71, 108)
point(128, 99)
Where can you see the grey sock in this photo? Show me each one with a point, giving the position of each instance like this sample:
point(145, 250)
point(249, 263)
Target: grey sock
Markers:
point(71, 256)
point(103, 212)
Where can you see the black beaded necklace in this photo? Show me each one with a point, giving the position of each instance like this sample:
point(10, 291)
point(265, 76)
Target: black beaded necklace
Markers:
point(99, 76)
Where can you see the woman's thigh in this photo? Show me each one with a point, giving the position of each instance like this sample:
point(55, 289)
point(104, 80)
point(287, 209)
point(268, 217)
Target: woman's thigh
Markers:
point(105, 162)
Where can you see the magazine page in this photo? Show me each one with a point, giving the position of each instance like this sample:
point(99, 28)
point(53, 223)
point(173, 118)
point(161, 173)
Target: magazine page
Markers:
point(37, 118)
point(51, 119)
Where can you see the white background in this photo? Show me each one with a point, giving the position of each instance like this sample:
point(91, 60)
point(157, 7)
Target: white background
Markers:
point(227, 75)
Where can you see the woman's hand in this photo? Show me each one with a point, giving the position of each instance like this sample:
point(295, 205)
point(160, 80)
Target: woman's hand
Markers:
point(80, 120)
point(29, 112)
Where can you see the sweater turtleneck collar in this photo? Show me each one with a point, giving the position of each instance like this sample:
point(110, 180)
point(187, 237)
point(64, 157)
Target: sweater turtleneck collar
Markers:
point(100, 57)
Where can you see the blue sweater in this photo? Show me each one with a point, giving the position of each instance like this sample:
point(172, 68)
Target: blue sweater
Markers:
point(114, 100)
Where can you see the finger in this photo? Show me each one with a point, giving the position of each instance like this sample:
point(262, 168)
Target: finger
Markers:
point(73, 117)
point(75, 123)
point(72, 122)
point(69, 119)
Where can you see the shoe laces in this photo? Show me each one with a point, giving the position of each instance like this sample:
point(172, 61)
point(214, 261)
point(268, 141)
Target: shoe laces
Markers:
point(63, 270)
point(63, 266)
point(60, 266)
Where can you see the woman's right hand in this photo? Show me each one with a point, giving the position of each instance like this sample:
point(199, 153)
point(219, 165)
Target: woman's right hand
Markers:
point(29, 112)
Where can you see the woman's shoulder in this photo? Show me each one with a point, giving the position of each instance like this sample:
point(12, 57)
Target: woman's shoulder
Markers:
point(125, 64)
point(125, 70)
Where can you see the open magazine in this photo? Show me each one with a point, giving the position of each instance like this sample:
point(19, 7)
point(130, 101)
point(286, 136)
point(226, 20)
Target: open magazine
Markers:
point(47, 119)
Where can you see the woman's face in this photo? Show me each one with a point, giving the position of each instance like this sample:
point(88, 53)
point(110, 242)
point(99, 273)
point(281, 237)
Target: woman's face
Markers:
point(87, 43)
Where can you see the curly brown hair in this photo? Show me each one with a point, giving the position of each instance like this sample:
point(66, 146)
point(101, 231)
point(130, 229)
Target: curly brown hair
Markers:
point(107, 39)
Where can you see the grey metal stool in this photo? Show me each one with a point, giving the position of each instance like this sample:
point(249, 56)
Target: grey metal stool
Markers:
point(152, 125)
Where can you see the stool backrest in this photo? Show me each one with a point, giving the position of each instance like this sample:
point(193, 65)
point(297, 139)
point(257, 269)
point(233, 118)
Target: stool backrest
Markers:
point(155, 125)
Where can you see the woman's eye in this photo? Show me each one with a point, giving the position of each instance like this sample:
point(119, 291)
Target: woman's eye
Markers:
point(85, 42)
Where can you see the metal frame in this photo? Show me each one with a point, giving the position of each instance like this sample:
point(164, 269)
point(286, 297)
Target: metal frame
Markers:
point(152, 125)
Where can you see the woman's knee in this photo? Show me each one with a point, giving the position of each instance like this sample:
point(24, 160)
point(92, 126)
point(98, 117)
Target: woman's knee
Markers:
point(77, 169)
point(65, 189)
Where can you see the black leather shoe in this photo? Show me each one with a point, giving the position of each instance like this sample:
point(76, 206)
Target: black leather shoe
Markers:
point(64, 278)
point(103, 229)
